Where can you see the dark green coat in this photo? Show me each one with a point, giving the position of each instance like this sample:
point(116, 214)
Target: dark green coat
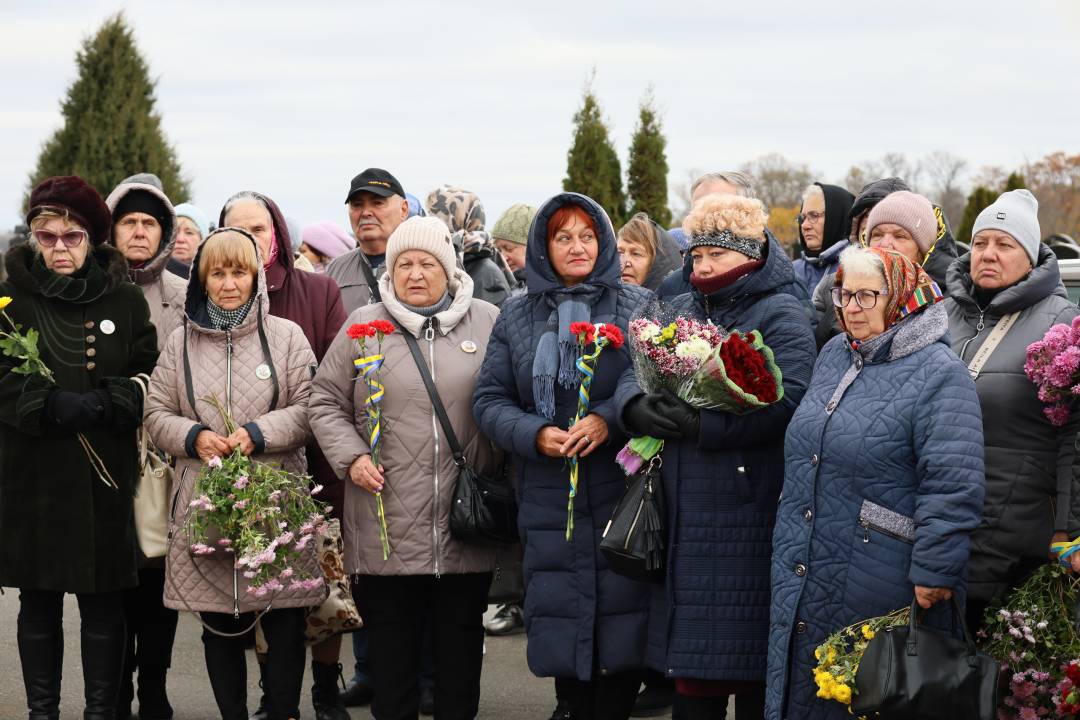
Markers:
point(61, 527)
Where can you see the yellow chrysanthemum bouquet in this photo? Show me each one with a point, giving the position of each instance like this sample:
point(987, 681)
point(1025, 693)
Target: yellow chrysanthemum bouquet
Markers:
point(839, 656)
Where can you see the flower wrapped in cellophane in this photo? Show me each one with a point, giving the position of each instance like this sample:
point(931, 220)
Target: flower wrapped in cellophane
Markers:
point(706, 366)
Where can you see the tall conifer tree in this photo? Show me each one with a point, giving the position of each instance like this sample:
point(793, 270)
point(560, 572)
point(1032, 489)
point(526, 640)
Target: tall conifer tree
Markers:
point(647, 170)
point(592, 166)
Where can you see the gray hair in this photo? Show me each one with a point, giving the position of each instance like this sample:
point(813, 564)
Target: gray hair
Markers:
point(862, 261)
point(813, 191)
point(244, 196)
point(742, 183)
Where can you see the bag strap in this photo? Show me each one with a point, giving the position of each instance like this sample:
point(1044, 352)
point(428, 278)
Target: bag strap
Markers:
point(913, 624)
point(142, 380)
point(369, 275)
point(992, 341)
point(436, 401)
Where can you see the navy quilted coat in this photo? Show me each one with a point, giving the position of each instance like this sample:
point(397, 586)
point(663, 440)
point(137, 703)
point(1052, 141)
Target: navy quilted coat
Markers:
point(578, 614)
point(711, 618)
point(883, 486)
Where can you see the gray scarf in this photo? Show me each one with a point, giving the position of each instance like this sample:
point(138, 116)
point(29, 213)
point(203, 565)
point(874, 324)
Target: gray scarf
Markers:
point(223, 319)
point(558, 350)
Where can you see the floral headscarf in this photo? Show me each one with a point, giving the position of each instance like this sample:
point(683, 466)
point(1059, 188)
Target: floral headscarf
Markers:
point(910, 288)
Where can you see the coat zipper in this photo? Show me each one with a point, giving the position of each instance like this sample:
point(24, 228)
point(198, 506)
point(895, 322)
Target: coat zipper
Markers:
point(866, 533)
point(979, 327)
point(429, 335)
point(228, 371)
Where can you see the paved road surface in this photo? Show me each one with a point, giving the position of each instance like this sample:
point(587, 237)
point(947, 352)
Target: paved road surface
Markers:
point(510, 692)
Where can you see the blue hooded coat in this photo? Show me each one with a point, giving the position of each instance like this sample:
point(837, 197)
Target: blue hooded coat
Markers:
point(710, 619)
point(580, 616)
point(882, 488)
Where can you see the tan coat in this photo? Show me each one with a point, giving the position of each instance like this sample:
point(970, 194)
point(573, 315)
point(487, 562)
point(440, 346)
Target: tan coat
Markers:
point(206, 583)
point(419, 470)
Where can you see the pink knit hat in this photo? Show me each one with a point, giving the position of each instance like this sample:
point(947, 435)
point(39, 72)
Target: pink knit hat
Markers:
point(327, 238)
point(912, 212)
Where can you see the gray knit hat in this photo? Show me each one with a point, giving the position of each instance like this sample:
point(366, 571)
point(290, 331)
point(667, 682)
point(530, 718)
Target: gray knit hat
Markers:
point(513, 225)
point(910, 211)
point(1015, 212)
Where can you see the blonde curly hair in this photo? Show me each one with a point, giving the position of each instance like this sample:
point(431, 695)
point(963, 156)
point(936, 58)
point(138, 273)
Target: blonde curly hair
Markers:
point(745, 217)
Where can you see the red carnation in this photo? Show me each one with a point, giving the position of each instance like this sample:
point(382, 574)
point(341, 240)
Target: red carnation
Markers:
point(383, 326)
point(585, 332)
point(745, 367)
point(359, 331)
point(613, 334)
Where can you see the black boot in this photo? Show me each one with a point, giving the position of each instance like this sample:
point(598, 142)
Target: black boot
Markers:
point(324, 692)
point(261, 713)
point(103, 645)
point(127, 680)
point(153, 698)
point(41, 651)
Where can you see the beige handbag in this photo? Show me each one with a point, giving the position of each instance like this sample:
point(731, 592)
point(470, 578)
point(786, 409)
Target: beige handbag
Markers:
point(152, 491)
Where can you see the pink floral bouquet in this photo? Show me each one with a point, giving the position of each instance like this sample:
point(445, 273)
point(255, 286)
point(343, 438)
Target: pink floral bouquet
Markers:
point(1053, 364)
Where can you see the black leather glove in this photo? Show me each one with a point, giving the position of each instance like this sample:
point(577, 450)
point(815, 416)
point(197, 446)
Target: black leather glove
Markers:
point(684, 415)
point(644, 417)
point(77, 411)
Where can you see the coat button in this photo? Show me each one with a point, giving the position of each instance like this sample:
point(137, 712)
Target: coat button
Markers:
point(808, 514)
point(91, 365)
point(800, 628)
point(91, 352)
point(814, 459)
point(89, 325)
point(91, 339)
point(800, 569)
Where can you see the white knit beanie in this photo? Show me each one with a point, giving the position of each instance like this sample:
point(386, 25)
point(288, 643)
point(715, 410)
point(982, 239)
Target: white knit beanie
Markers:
point(1015, 212)
point(429, 234)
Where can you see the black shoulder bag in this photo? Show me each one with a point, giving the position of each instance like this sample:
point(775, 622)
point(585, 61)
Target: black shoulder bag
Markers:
point(633, 541)
point(912, 671)
point(484, 509)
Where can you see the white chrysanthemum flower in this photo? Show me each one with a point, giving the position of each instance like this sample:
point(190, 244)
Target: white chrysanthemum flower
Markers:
point(696, 348)
point(648, 331)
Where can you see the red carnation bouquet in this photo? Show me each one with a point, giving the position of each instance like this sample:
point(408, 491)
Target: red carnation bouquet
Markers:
point(701, 363)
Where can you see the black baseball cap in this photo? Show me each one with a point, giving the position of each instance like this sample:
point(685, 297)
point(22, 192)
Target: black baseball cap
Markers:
point(377, 181)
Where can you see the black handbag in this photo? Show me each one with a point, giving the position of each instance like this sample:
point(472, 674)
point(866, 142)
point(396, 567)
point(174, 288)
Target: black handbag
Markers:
point(918, 672)
point(483, 509)
point(633, 540)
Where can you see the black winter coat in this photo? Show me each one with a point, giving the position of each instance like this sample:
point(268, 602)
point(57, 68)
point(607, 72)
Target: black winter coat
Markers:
point(61, 527)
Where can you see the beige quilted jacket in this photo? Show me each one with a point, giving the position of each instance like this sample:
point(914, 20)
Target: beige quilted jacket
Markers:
point(276, 403)
point(419, 470)
point(165, 296)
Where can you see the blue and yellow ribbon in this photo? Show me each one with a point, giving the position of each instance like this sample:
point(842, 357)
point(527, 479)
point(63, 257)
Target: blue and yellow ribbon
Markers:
point(1065, 549)
point(584, 366)
point(369, 368)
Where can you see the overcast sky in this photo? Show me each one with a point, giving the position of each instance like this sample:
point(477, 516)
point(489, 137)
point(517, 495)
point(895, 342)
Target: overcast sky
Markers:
point(293, 99)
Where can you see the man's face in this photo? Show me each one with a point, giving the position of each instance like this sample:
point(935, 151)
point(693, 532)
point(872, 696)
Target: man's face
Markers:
point(713, 187)
point(813, 221)
point(250, 215)
point(373, 218)
point(137, 236)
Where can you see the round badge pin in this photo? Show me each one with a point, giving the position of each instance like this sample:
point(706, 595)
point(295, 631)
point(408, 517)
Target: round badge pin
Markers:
point(263, 372)
point(108, 327)
point(468, 346)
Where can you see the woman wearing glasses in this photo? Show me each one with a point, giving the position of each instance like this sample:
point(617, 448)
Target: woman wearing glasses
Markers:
point(883, 480)
point(62, 528)
point(823, 220)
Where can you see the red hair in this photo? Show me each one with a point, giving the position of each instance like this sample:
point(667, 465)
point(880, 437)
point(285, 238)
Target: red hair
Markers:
point(567, 216)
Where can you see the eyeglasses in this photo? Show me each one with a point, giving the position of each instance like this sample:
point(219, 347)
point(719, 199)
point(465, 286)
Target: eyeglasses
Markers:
point(71, 239)
point(813, 216)
point(866, 299)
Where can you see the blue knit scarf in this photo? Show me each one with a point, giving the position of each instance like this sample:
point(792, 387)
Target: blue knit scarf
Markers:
point(558, 350)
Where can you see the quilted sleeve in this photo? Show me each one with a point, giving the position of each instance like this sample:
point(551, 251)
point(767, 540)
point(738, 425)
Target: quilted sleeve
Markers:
point(331, 408)
point(168, 427)
point(788, 333)
point(948, 447)
point(496, 403)
point(287, 427)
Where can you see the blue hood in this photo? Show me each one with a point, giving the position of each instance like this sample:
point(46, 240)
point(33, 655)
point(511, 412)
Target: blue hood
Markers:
point(540, 275)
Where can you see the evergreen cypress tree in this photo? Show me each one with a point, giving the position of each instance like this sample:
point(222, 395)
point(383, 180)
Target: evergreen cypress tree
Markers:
point(110, 130)
point(979, 199)
point(592, 166)
point(1015, 181)
point(647, 170)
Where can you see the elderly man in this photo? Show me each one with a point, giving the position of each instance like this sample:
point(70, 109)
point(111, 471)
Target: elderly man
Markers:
point(377, 205)
point(823, 232)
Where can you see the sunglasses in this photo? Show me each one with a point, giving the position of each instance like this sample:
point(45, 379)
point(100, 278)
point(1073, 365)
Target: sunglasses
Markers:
point(71, 239)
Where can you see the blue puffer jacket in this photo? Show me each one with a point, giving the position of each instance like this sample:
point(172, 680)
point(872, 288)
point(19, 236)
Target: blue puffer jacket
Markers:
point(810, 269)
point(711, 618)
point(883, 485)
point(579, 615)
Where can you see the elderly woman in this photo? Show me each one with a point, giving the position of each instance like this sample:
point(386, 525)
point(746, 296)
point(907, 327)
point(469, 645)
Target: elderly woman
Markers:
point(259, 368)
point(586, 624)
point(430, 577)
point(723, 472)
point(884, 475)
point(1010, 276)
point(647, 252)
point(192, 227)
point(62, 529)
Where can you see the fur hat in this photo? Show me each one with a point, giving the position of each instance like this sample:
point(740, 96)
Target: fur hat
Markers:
point(83, 202)
point(429, 234)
